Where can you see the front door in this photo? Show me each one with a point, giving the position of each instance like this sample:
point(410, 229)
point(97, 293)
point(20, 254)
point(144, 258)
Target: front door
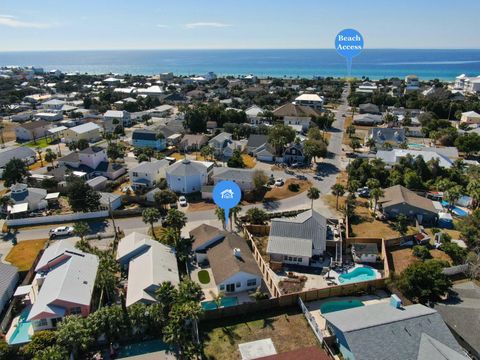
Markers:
point(230, 287)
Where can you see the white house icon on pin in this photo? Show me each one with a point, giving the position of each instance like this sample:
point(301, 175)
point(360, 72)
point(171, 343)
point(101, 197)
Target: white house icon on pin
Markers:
point(227, 194)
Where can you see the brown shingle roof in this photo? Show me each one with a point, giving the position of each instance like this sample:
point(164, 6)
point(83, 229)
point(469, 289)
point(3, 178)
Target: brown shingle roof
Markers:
point(295, 110)
point(308, 353)
point(204, 233)
point(225, 264)
point(398, 195)
point(34, 124)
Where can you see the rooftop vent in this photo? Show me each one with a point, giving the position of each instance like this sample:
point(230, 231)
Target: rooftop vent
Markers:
point(395, 301)
point(237, 252)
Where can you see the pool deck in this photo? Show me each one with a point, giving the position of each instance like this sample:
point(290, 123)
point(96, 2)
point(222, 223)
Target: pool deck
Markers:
point(314, 306)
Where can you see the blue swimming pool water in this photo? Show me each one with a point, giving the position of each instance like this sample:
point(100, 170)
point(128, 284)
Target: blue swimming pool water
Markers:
point(358, 274)
point(20, 335)
point(225, 302)
point(415, 146)
point(145, 347)
point(456, 210)
point(332, 306)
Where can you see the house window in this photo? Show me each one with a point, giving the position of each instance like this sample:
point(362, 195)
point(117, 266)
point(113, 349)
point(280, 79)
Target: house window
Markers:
point(42, 322)
point(135, 174)
point(251, 282)
point(76, 310)
point(285, 257)
point(290, 258)
point(238, 284)
point(222, 287)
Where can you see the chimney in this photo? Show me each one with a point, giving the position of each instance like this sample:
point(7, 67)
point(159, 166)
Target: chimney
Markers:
point(237, 252)
point(395, 302)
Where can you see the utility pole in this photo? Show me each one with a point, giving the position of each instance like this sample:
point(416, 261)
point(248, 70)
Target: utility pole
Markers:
point(113, 223)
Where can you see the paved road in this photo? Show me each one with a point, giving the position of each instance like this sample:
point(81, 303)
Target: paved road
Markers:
point(328, 169)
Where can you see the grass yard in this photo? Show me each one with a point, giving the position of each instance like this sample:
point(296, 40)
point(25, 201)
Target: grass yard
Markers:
point(24, 253)
point(401, 258)
point(41, 143)
point(279, 193)
point(288, 332)
point(177, 156)
point(365, 225)
point(203, 277)
point(249, 161)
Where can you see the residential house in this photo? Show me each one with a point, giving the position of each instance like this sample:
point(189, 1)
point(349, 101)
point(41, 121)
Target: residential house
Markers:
point(205, 236)
point(254, 115)
point(265, 153)
point(31, 130)
point(148, 173)
point(412, 83)
point(313, 101)
point(188, 176)
point(233, 267)
point(26, 199)
point(92, 161)
point(57, 132)
point(368, 108)
point(296, 240)
point(394, 156)
point(49, 115)
point(382, 136)
point(297, 116)
point(114, 118)
point(149, 264)
point(154, 91)
point(365, 252)
point(98, 183)
point(367, 119)
point(192, 142)
point(367, 87)
point(294, 154)
point(63, 285)
point(400, 200)
point(144, 138)
point(110, 201)
point(394, 332)
point(8, 282)
point(219, 142)
point(88, 131)
point(461, 313)
point(53, 104)
point(24, 153)
point(242, 177)
point(470, 117)
point(255, 141)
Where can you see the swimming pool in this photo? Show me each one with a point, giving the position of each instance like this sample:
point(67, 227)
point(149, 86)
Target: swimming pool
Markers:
point(415, 146)
point(358, 274)
point(456, 210)
point(225, 302)
point(332, 306)
point(141, 348)
point(20, 335)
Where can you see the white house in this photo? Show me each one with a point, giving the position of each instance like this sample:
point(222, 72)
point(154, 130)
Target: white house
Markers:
point(149, 264)
point(311, 100)
point(254, 114)
point(114, 118)
point(470, 117)
point(298, 117)
point(148, 173)
point(31, 130)
point(242, 177)
point(412, 83)
point(365, 253)
point(8, 282)
point(188, 176)
point(233, 267)
point(88, 131)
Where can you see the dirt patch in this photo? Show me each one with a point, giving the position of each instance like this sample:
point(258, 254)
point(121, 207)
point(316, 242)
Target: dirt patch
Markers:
point(200, 206)
point(279, 193)
point(177, 156)
point(24, 253)
point(288, 332)
point(9, 131)
point(403, 257)
point(249, 161)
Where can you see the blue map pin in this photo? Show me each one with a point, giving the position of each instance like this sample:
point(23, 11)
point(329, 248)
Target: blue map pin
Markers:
point(226, 194)
point(349, 43)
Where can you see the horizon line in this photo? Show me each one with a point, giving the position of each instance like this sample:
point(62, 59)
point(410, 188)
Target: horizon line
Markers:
point(226, 49)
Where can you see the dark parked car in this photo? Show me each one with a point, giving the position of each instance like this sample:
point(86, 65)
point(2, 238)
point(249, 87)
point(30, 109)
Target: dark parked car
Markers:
point(301, 177)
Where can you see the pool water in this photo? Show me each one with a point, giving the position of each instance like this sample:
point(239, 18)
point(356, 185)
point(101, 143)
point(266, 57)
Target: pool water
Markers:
point(20, 334)
point(145, 347)
point(456, 210)
point(332, 306)
point(225, 302)
point(415, 146)
point(358, 274)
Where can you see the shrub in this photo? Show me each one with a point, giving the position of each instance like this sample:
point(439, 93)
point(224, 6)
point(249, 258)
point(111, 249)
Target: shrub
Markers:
point(421, 252)
point(294, 187)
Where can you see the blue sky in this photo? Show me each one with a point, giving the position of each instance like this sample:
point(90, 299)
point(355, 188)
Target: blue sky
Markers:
point(224, 24)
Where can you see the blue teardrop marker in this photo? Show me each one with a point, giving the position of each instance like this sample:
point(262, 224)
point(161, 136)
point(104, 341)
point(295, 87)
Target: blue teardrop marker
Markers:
point(227, 194)
point(349, 43)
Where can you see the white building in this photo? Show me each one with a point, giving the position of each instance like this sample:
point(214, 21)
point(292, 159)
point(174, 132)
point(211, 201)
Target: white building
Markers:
point(148, 173)
point(113, 118)
point(149, 264)
point(470, 117)
point(311, 100)
point(188, 176)
point(88, 131)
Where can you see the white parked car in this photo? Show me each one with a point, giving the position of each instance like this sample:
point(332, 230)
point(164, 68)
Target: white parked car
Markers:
point(279, 182)
point(182, 200)
point(61, 231)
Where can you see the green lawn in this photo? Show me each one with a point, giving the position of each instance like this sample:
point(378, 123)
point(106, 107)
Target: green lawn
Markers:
point(203, 276)
point(41, 143)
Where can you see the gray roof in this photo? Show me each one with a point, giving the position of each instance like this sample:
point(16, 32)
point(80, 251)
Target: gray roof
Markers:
point(186, 168)
point(221, 138)
point(462, 312)
point(151, 166)
point(96, 181)
point(234, 174)
point(381, 331)
point(365, 248)
point(8, 274)
point(256, 140)
point(84, 128)
point(382, 135)
point(21, 152)
point(298, 235)
point(30, 195)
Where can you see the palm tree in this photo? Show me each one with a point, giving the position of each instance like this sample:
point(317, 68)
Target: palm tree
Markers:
point(217, 298)
point(109, 321)
point(39, 152)
point(5, 201)
point(50, 156)
point(258, 294)
point(375, 194)
point(81, 229)
point(220, 213)
point(151, 216)
point(106, 280)
point(313, 194)
point(350, 131)
point(176, 219)
point(370, 143)
point(338, 190)
point(169, 236)
point(234, 215)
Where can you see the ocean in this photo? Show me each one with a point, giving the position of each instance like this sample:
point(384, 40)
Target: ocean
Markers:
point(372, 63)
